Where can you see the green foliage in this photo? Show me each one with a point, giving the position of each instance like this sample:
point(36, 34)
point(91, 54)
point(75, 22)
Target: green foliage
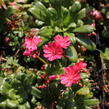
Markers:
point(105, 55)
point(10, 62)
point(16, 91)
point(86, 42)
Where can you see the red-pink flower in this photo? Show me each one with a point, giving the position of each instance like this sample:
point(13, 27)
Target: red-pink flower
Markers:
point(14, 5)
point(27, 52)
point(96, 15)
point(32, 43)
point(52, 77)
point(72, 75)
point(53, 51)
point(64, 42)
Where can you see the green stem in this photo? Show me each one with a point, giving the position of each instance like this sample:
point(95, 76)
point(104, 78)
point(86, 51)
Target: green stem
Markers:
point(43, 61)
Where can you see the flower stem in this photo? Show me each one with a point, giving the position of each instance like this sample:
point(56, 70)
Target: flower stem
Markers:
point(43, 61)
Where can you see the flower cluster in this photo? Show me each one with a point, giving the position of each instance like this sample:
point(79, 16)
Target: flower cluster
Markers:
point(31, 46)
point(72, 74)
point(54, 50)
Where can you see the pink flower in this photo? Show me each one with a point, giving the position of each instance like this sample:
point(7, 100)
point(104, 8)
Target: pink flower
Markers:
point(72, 74)
point(53, 51)
point(96, 15)
point(14, 5)
point(27, 52)
point(32, 43)
point(52, 77)
point(80, 65)
point(64, 42)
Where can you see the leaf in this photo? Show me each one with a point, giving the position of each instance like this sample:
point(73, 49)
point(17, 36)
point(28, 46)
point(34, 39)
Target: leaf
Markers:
point(52, 16)
point(35, 92)
point(21, 107)
point(27, 105)
point(72, 54)
point(46, 31)
point(84, 29)
point(3, 105)
point(91, 102)
point(80, 22)
point(52, 13)
point(84, 75)
point(81, 14)
point(105, 55)
point(65, 16)
point(86, 42)
point(39, 23)
point(33, 100)
point(12, 103)
point(83, 91)
point(90, 95)
point(4, 87)
point(75, 7)
point(107, 15)
point(57, 29)
point(72, 25)
point(39, 11)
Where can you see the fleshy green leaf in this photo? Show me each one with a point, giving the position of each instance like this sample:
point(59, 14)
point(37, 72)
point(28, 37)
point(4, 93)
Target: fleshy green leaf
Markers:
point(3, 105)
point(105, 55)
point(83, 91)
point(12, 103)
point(52, 12)
point(86, 42)
point(39, 11)
point(84, 29)
point(39, 23)
point(72, 54)
point(81, 14)
point(65, 16)
point(91, 102)
point(35, 92)
point(21, 107)
point(46, 31)
point(76, 6)
point(27, 105)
